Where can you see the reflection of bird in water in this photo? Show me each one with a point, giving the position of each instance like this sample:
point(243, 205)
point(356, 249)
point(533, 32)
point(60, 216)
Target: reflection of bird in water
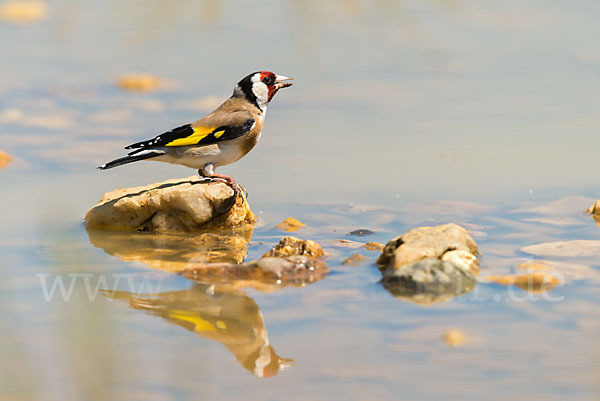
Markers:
point(221, 314)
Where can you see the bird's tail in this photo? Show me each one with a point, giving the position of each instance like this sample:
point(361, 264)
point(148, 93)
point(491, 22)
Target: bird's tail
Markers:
point(131, 158)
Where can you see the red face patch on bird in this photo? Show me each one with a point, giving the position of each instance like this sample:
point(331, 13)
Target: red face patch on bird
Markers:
point(273, 83)
point(268, 78)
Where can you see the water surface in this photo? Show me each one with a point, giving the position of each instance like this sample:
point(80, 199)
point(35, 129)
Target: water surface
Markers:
point(404, 113)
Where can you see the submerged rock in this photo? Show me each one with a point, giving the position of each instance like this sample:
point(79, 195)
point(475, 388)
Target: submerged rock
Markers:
point(432, 276)
point(173, 205)
point(454, 337)
point(290, 225)
point(543, 275)
point(265, 274)
point(289, 246)
point(354, 260)
point(429, 264)
point(373, 246)
point(361, 232)
point(532, 282)
point(173, 252)
point(5, 159)
point(23, 11)
point(139, 82)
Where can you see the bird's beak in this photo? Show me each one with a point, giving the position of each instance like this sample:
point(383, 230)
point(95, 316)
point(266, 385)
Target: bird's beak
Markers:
point(280, 82)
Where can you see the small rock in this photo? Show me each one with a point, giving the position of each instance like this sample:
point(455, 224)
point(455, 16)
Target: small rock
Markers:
point(289, 246)
point(174, 205)
point(429, 264)
point(594, 211)
point(138, 82)
point(373, 246)
point(565, 272)
point(354, 260)
point(5, 159)
point(290, 225)
point(362, 232)
point(532, 282)
point(425, 242)
point(556, 272)
point(454, 337)
point(23, 11)
point(273, 272)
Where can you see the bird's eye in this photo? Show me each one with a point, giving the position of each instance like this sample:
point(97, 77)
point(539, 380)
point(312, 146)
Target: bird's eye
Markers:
point(268, 80)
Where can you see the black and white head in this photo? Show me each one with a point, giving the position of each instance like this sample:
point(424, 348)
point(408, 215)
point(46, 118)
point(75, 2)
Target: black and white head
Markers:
point(260, 87)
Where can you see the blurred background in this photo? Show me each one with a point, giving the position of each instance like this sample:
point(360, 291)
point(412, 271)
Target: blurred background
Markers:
point(397, 104)
point(465, 99)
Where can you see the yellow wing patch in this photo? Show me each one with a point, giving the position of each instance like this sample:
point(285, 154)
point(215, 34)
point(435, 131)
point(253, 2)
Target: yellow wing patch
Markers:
point(199, 134)
point(200, 324)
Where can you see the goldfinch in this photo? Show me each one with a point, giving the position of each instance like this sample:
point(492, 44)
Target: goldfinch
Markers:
point(220, 138)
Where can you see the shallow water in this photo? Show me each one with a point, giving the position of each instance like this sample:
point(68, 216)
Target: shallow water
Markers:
point(404, 114)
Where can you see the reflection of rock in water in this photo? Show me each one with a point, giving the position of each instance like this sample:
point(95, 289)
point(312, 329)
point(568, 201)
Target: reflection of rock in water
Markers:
point(220, 314)
point(428, 281)
point(173, 251)
point(265, 274)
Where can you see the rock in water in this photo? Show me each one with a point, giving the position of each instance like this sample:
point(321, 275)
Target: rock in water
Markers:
point(374, 246)
point(5, 159)
point(173, 205)
point(290, 246)
point(425, 242)
point(594, 211)
point(430, 276)
point(454, 337)
point(354, 260)
point(290, 225)
point(430, 264)
point(139, 82)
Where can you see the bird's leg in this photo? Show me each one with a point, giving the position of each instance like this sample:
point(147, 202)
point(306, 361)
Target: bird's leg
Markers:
point(204, 179)
point(208, 171)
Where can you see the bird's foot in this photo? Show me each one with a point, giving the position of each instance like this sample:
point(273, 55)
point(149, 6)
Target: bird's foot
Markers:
point(237, 189)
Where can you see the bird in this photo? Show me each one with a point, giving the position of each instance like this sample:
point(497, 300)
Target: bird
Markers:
point(220, 138)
